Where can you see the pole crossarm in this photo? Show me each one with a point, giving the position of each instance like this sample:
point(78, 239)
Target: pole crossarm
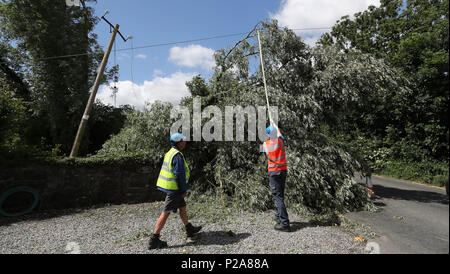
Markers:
point(112, 26)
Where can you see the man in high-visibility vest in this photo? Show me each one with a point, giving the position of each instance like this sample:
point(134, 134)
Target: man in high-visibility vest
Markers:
point(174, 181)
point(275, 152)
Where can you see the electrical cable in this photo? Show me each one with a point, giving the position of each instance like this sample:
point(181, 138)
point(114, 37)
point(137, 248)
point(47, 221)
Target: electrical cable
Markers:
point(171, 43)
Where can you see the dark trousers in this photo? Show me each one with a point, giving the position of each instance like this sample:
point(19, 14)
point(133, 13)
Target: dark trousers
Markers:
point(277, 185)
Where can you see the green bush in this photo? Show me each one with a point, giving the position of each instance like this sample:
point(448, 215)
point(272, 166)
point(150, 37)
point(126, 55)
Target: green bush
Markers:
point(427, 171)
point(126, 161)
point(12, 122)
point(439, 180)
point(144, 132)
point(400, 159)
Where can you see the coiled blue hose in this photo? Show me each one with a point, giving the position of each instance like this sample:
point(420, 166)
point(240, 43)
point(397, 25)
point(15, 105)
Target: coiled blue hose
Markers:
point(13, 190)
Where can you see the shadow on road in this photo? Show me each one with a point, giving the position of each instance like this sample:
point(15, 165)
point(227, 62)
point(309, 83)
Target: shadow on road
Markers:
point(410, 195)
point(295, 226)
point(214, 238)
point(40, 215)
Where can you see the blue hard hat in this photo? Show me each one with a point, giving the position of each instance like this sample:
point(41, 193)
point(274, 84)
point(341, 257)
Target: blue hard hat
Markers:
point(177, 137)
point(270, 129)
point(272, 132)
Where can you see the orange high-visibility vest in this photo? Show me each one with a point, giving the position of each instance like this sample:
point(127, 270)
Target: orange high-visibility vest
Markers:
point(276, 154)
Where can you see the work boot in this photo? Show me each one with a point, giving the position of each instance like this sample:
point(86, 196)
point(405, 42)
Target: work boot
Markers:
point(155, 242)
point(283, 228)
point(191, 230)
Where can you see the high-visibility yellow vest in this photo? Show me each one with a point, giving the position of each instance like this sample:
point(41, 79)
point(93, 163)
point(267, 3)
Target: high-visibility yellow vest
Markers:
point(167, 178)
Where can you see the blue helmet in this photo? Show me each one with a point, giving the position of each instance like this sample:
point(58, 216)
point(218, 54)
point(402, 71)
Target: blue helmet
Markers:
point(270, 129)
point(272, 132)
point(177, 137)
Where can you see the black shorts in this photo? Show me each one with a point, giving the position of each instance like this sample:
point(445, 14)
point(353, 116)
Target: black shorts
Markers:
point(173, 202)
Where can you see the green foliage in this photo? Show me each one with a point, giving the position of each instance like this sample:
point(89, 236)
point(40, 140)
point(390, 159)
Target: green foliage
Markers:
point(104, 122)
point(57, 89)
point(439, 180)
point(12, 119)
point(145, 131)
point(414, 39)
point(129, 161)
point(402, 159)
point(426, 171)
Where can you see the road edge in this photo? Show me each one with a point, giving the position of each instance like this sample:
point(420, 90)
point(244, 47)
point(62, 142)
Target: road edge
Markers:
point(408, 181)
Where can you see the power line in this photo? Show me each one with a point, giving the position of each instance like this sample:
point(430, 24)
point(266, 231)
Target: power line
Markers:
point(64, 56)
point(313, 28)
point(185, 41)
point(207, 38)
point(173, 43)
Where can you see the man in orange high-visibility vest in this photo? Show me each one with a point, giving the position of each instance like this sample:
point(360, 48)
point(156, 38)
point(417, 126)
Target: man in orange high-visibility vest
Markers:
point(275, 152)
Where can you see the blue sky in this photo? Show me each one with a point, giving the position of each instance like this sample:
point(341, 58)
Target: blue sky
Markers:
point(159, 73)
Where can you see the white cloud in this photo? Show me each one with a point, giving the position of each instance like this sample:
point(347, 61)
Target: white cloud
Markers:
point(157, 73)
point(311, 40)
point(169, 89)
point(193, 56)
point(297, 14)
point(141, 56)
point(123, 56)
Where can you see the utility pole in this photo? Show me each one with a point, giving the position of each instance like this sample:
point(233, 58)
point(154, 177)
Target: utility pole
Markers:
point(87, 111)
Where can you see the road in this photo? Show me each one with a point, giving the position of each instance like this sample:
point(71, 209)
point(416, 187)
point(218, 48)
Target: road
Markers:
point(412, 218)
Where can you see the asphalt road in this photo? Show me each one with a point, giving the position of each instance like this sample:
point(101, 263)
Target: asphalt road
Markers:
point(412, 218)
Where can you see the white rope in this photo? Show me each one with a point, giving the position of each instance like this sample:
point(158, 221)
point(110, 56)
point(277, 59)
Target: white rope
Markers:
point(116, 77)
point(264, 75)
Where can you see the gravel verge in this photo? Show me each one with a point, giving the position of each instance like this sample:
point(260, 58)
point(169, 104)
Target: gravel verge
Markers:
point(126, 228)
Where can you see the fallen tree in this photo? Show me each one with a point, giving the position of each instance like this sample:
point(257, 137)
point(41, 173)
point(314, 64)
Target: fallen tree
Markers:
point(312, 87)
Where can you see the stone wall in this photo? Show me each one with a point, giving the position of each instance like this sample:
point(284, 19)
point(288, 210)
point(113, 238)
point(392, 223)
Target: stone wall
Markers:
point(68, 187)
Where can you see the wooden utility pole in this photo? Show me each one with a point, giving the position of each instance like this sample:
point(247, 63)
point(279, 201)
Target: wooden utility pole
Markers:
point(87, 111)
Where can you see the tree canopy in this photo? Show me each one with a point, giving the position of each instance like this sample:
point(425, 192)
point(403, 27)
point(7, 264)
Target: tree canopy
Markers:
point(412, 36)
point(55, 90)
